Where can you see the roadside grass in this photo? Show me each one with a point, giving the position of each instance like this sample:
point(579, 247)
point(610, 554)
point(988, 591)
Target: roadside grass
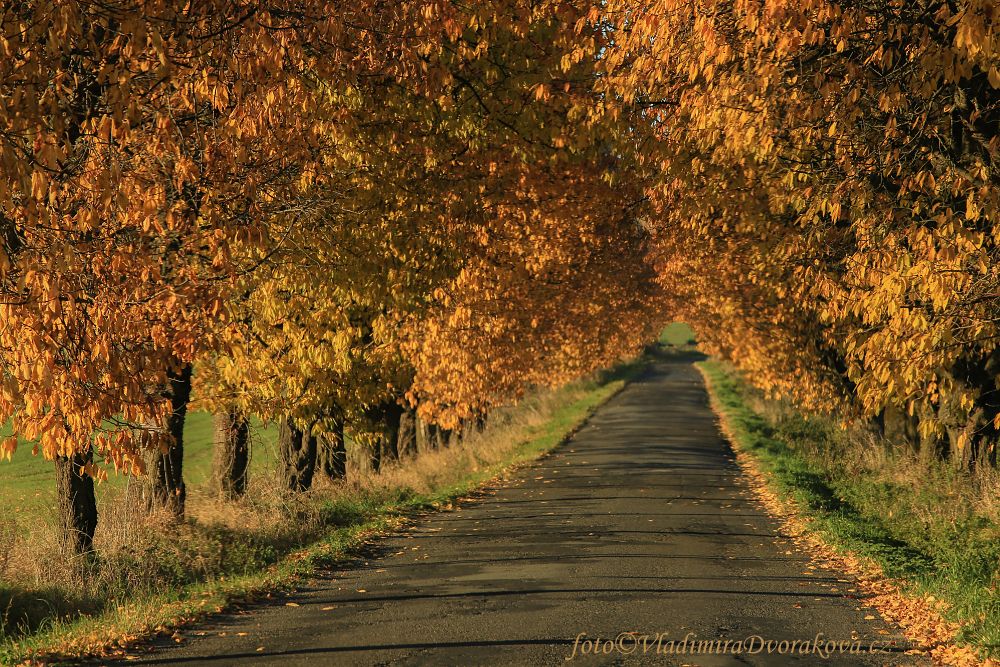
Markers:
point(927, 525)
point(150, 579)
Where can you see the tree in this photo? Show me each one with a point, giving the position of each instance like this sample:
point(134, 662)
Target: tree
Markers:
point(231, 453)
point(332, 452)
point(297, 448)
point(77, 502)
point(139, 152)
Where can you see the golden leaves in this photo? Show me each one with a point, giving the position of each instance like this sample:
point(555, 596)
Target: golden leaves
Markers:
point(805, 234)
point(476, 206)
point(994, 76)
point(106, 281)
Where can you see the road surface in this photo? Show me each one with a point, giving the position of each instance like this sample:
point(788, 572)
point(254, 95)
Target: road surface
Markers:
point(640, 524)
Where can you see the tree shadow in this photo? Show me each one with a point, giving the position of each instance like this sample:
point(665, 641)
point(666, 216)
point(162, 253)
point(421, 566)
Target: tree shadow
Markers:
point(24, 612)
point(899, 558)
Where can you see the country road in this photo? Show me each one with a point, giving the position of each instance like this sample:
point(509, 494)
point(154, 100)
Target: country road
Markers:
point(640, 523)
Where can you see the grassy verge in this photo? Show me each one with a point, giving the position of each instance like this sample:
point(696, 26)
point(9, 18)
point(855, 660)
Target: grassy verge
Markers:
point(216, 561)
point(922, 524)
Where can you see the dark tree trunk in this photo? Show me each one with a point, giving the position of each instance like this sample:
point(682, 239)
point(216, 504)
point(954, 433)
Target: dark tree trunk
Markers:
point(332, 452)
point(374, 416)
point(298, 456)
point(168, 491)
point(932, 447)
point(481, 421)
point(966, 457)
point(407, 440)
point(77, 504)
point(375, 454)
point(876, 425)
point(393, 414)
point(461, 434)
point(385, 419)
point(232, 453)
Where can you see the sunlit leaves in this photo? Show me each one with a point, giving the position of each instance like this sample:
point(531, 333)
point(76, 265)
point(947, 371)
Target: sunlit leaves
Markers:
point(827, 196)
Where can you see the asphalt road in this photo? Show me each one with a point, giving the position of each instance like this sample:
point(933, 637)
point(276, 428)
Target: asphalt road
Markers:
point(641, 523)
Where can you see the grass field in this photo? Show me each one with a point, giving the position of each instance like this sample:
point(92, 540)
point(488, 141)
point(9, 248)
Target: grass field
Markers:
point(920, 523)
point(27, 482)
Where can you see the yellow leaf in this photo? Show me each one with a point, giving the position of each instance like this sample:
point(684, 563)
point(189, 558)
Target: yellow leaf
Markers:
point(8, 447)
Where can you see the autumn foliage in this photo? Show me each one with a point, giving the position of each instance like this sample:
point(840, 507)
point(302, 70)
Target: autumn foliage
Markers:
point(824, 197)
point(366, 213)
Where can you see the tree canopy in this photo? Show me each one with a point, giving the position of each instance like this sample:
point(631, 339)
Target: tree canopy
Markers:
point(323, 207)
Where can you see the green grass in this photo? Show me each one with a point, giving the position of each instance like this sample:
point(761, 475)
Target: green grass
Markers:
point(238, 565)
point(916, 527)
point(677, 334)
point(27, 481)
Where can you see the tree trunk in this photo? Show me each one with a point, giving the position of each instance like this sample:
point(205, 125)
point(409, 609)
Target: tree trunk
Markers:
point(168, 491)
point(298, 456)
point(77, 504)
point(232, 453)
point(966, 444)
point(461, 434)
point(425, 440)
point(407, 440)
point(384, 417)
point(332, 452)
point(375, 455)
point(988, 455)
point(481, 420)
point(932, 447)
point(393, 414)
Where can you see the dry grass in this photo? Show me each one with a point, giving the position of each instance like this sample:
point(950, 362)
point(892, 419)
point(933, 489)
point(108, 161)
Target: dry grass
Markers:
point(432, 470)
point(8, 540)
point(477, 451)
point(855, 450)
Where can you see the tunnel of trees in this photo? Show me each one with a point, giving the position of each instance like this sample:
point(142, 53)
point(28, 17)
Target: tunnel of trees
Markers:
point(386, 219)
